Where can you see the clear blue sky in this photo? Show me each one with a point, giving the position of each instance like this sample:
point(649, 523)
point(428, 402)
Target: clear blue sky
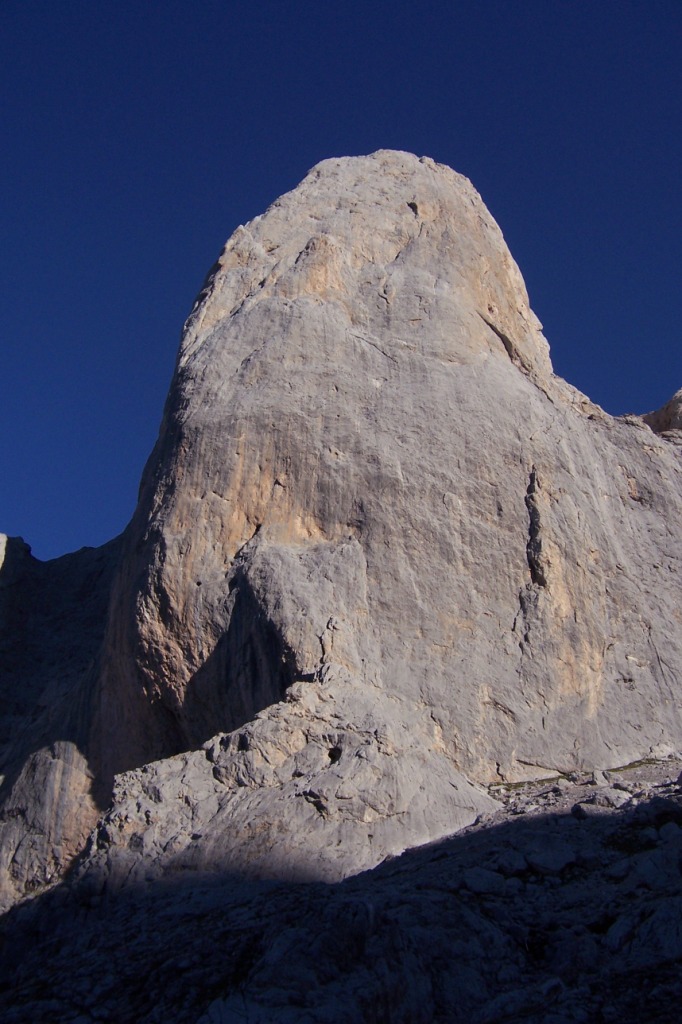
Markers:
point(138, 134)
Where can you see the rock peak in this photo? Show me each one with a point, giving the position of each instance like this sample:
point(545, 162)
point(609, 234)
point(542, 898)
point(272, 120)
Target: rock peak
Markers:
point(382, 560)
point(355, 231)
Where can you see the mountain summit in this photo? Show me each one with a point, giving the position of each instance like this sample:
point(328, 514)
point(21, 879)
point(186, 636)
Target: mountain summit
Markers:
point(382, 560)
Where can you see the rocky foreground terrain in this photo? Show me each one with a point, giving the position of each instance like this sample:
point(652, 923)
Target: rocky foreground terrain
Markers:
point(564, 905)
point(339, 727)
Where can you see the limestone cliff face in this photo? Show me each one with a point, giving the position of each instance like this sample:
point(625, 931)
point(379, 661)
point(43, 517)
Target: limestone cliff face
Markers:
point(52, 619)
point(313, 408)
point(382, 556)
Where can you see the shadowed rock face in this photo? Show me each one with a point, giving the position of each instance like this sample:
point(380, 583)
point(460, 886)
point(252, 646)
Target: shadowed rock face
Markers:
point(382, 557)
point(564, 906)
point(52, 619)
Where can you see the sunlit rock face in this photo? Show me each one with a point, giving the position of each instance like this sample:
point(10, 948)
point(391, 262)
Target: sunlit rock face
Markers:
point(382, 557)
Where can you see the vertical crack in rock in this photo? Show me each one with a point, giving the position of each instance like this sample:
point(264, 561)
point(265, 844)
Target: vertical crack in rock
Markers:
point(534, 543)
point(528, 602)
point(528, 595)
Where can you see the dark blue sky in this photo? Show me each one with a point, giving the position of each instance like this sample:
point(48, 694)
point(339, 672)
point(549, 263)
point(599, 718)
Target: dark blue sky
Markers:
point(138, 134)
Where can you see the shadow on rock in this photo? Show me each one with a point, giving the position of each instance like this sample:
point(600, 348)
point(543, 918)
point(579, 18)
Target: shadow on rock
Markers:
point(550, 918)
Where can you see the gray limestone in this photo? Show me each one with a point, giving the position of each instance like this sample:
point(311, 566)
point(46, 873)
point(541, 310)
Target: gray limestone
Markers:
point(379, 546)
point(385, 571)
point(468, 929)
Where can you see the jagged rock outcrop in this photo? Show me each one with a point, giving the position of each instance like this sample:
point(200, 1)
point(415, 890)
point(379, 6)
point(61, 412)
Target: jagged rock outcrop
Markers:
point(382, 557)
